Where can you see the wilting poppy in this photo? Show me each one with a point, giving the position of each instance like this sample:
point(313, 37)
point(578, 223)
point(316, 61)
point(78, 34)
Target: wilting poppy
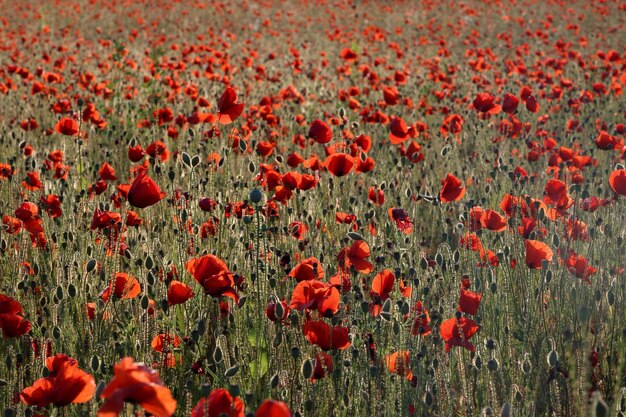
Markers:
point(323, 365)
point(214, 276)
point(228, 107)
point(158, 149)
point(272, 313)
point(65, 384)
point(144, 192)
point(272, 408)
point(536, 253)
point(617, 181)
point(137, 384)
point(422, 318)
point(401, 219)
point(67, 126)
point(178, 293)
point(452, 189)
point(326, 337)
point(339, 164)
point(217, 404)
point(450, 331)
point(11, 321)
point(320, 132)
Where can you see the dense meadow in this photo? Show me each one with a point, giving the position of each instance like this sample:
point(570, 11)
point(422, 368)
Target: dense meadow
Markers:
point(312, 208)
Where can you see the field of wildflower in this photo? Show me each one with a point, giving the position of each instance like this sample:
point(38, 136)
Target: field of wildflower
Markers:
point(312, 208)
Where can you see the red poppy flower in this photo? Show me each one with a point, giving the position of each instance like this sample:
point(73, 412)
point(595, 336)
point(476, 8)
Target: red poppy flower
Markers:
point(327, 338)
point(294, 159)
point(509, 103)
point(105, 219)
point(420, 325)
point(382, 285)
point(579, 266)
point(135, 153)
point(344, 218)
point(158, 149)
point(11, 321)
point(124, 287)
point(617, 181)
point(492, 220)
point(376, 195)
point(320, 132)
point(536, 252)
point(178, 293)
point(469, 301)
point(452, 189)
point(217, 404)
point(532, 105)
point(6, 171)
point(398, 363)
point(450, 331)
point(144, 192)
point(165, 342)
point(398, 131)
point(229, 109)
point(32, 181)
point(355, 256)
point(107, 172)
point(272, 408)
point(323, 365)
point(308, 269)
point(66, 384)
point(11, 225)
point(402, 220)
point(214, 276)
point(486, 103)
point(138, 384)
point(270, 311)
point(315, 295)
point(67, 126)
point(52, 204)
point(556, 194)
point(339, 164)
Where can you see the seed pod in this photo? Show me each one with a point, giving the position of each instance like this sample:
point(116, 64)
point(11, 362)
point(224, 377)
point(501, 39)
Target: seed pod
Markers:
point(232, 371)
point(307, 369)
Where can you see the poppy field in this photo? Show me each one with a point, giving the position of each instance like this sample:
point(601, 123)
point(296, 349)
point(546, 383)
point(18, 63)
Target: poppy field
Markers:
point(312, 208)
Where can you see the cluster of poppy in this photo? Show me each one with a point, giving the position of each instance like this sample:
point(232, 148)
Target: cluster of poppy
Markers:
point(133, 383)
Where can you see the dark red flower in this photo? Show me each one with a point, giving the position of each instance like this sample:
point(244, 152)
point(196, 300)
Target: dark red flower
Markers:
point(320, 132)
point(144, 192)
